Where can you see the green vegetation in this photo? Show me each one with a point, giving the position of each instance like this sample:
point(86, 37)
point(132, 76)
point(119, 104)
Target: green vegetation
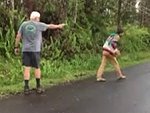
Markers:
point(56, 72)
point(78, 59)
point(72, 53)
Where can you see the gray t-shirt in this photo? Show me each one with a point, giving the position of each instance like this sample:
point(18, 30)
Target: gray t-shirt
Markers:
point(31, 33)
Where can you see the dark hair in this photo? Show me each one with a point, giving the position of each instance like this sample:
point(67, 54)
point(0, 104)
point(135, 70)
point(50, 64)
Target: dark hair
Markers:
point(119, 31)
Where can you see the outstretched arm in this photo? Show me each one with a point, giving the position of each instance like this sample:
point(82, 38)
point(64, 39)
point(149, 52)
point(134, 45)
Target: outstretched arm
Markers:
point(54, 26)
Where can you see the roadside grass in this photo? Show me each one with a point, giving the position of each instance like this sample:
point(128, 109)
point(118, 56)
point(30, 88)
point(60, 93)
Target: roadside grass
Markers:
point(59, 72)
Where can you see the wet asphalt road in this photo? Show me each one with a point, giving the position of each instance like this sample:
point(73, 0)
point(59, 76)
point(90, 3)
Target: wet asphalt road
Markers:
point(87, 96)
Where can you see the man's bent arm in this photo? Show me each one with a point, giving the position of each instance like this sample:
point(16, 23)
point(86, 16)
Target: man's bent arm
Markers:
point(18, 37)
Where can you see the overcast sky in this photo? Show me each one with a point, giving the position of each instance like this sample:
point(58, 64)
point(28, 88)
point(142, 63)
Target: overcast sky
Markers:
point(137, 5)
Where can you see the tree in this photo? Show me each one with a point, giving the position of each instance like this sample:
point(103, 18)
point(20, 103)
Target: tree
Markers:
point(144, 13)
point(119, 14)
point(29, 6)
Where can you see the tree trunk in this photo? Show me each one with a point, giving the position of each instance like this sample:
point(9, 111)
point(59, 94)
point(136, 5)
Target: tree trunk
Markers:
point(76, 11)
point(119, 14)
point(29, 6)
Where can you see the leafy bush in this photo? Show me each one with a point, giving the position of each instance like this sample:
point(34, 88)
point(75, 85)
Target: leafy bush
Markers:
point(8, 33)
point(136, 39)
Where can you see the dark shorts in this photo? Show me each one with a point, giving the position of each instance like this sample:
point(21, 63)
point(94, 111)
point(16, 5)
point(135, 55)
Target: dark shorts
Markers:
point(31, 59)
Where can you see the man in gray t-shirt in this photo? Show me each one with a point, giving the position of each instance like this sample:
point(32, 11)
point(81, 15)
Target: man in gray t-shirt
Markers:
point(31, 34)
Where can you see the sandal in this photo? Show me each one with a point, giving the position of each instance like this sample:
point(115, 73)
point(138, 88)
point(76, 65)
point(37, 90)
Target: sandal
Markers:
point(121, 77)
point(101, 80)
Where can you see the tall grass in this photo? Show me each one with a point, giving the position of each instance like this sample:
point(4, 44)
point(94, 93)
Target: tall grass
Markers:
point(136, 39)
point(55, 72)
point(7, 38)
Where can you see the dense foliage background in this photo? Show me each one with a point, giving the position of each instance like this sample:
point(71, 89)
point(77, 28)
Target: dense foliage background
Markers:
point(89, 22)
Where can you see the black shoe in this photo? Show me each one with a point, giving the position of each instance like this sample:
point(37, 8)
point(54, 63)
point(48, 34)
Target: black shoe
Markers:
point(26, 91)
point(40, 90)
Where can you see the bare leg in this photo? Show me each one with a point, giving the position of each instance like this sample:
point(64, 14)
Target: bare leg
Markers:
point(26, 79)
point(27, 73)
point(38, 78)
point(37, 73)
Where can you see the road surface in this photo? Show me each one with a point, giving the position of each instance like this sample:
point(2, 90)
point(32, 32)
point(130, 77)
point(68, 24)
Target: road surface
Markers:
point(87, 96)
